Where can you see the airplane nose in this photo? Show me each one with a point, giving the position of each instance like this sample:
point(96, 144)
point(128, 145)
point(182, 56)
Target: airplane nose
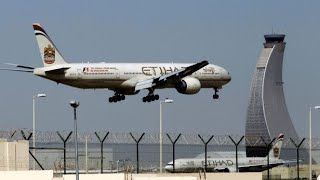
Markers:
point(168, 168)
point(226, 76)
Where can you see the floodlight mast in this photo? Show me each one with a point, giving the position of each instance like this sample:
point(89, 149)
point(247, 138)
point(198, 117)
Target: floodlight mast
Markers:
point(160, 135)
point(310, 139)
point(34, 124)
point(75, 104)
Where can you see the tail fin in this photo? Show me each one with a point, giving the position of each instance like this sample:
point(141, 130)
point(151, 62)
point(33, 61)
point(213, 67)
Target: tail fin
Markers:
point(276, 148)
point(49, 53)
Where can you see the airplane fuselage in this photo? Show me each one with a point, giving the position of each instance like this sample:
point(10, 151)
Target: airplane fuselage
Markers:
point(224, 164)
point(126, 75)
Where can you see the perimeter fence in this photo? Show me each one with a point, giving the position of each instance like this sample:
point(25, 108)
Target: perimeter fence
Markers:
point(110, 152)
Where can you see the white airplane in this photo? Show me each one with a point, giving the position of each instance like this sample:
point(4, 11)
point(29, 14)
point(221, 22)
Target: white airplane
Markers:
point(245, 164)
point(124, 78)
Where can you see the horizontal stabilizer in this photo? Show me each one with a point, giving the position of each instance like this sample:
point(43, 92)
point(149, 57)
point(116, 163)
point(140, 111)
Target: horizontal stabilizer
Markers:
point(19, 66)
point(21, 70)
point(58, 70)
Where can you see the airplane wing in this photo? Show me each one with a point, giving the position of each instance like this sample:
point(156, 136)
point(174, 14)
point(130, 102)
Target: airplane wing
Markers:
point(171, 77)
point(289, 162)
point(262, 165)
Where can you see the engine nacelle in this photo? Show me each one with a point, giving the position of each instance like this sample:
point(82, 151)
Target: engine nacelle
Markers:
point(188, 85)
point(227, 169)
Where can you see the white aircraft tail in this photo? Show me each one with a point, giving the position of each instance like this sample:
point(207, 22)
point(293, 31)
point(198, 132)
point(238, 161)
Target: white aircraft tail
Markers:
point(48, 51)
point(276, 148)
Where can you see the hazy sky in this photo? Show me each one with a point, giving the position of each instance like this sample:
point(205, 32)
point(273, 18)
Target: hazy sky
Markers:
point(227, 33)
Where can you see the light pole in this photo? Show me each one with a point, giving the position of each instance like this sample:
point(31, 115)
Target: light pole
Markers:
point(161, 139)
point(310, 141)
point(34, 124)
point(75, 104)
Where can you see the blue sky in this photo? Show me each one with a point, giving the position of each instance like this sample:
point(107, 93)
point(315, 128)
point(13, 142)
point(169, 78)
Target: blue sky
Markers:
point(227, 33)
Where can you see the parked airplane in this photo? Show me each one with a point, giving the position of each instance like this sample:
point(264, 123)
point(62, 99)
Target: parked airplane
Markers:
point(124, 78)
point(245, 164)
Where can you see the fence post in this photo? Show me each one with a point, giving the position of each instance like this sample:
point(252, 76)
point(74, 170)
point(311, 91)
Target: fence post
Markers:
point(101, 150)
point(268, 148)
point(137, 143)
point(12, 134)
point(173, 148)
point(298, 146)
point(205, 150)
point(64, 150)
point(236, 144)
point(25, 137)
point(28, 138)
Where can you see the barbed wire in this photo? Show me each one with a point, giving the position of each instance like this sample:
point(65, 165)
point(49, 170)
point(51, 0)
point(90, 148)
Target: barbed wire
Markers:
point(149, 138)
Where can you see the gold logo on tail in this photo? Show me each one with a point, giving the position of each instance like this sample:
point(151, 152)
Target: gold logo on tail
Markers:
point(276, 152)
point(49, 54)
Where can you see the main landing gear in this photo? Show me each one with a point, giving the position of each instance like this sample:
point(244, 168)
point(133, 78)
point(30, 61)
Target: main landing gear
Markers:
point(150, 97)
point(117, 97)
point(215, 96)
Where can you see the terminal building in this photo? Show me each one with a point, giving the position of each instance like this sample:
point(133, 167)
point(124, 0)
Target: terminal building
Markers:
point(267, 113)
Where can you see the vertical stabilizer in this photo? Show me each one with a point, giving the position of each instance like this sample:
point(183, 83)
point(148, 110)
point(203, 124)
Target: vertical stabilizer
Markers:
point(48, 51)
point(276, 148)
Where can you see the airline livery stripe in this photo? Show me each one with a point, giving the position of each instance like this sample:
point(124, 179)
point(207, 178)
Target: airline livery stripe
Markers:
point(38, 28)
point(46, 36)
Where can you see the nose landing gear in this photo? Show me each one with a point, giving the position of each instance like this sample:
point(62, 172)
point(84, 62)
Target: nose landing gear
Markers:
point(215, 96)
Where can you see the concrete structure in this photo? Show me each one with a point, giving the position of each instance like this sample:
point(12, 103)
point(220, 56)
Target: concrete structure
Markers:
point(267, 114)
point(26, 175)
point(291, 172)
point(119, 176)
point(188, 176)
point(14, 156)
point(48, 175)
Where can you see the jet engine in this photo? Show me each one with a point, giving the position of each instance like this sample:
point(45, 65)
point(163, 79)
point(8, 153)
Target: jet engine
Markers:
point(188, 85)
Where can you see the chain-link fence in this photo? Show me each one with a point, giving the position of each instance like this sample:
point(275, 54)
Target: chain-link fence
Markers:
point(110, 152)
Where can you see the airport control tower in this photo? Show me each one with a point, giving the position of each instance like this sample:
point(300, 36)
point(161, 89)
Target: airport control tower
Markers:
point(267, 114)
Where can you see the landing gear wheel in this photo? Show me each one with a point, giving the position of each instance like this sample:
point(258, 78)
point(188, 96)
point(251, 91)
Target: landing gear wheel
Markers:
point(117, 97)
point(150, 97)
point(156, 97)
